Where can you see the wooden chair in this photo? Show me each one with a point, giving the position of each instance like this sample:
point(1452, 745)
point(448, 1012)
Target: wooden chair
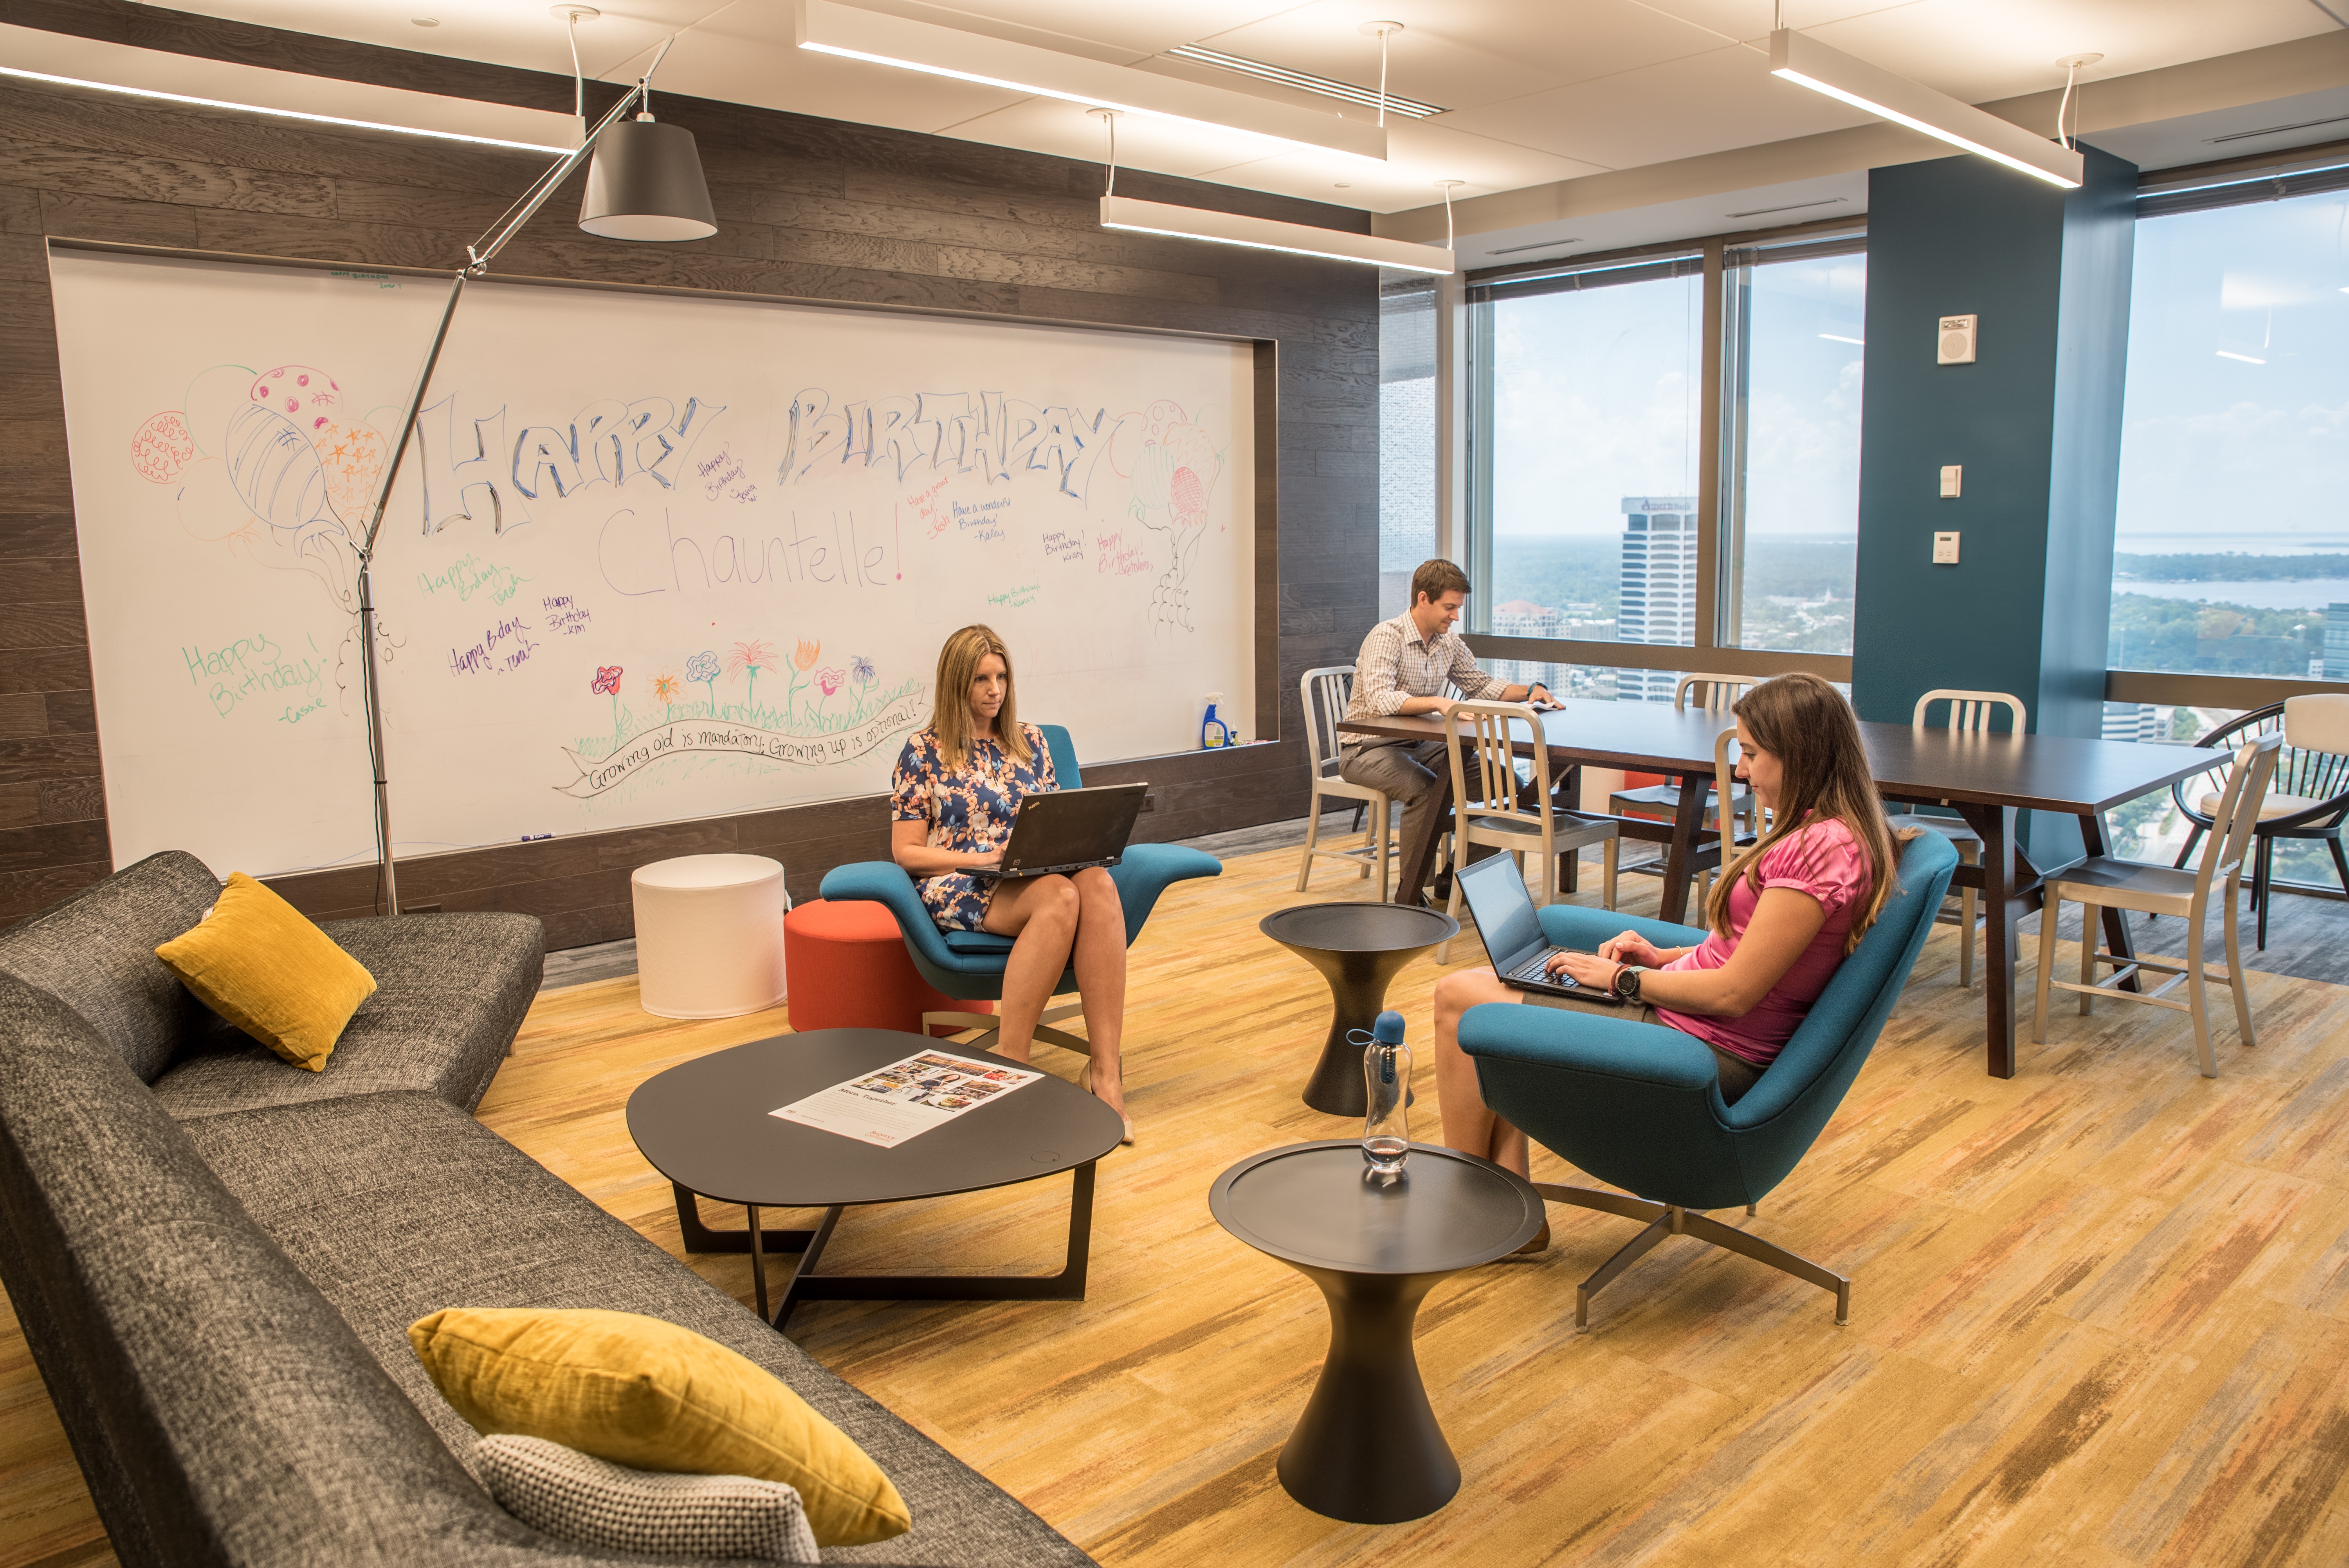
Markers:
point(1969, 714)
point(1326, 692)
point(2308, 799)
point(2104, 882)
point(1659, 802)
point(1492, 805)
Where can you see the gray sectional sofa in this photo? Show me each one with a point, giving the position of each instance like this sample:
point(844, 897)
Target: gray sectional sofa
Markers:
point(215, 1255)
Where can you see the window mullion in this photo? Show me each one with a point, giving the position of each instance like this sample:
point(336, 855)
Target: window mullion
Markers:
point(1708, 448)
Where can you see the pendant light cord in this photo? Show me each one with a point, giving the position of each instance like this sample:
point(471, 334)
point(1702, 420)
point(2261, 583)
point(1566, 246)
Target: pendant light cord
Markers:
point(2071, 74)
point(1109, 117)
point(1447, 213)
point(578, 77)
point(1383, 78)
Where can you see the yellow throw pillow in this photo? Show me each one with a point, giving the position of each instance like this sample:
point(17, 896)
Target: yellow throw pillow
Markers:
point(259, 963)
point(649, 1395)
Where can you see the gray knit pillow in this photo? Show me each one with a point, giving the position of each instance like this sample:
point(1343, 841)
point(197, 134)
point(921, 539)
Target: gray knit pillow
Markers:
point(594, 1502)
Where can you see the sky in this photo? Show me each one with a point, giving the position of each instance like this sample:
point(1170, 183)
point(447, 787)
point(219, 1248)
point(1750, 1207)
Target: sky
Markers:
point(1595, 399)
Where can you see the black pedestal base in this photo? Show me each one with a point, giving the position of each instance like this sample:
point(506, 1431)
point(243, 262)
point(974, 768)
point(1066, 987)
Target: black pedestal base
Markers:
point(1367, 1448)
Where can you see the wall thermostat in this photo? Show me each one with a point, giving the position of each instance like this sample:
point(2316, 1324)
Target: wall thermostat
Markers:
point(1958, 339)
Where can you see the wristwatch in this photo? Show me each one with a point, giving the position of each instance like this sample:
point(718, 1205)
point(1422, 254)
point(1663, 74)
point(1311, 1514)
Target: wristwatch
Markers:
point(1626, 984)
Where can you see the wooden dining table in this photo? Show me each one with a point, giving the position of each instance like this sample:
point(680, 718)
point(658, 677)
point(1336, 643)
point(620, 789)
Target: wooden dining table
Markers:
point(1986, 778)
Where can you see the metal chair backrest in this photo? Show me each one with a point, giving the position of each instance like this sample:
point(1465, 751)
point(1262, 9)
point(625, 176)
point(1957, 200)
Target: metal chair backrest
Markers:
point(1484, 778)
point(1720, 692)
point(1326, 692)
point(2238, 808)
point(1969, 711)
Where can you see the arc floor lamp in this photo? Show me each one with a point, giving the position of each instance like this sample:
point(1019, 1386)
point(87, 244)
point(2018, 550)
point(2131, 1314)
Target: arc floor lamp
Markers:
point(646, 183)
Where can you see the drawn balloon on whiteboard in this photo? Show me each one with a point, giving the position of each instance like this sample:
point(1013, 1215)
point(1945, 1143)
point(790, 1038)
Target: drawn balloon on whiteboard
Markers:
point(163, 447)
point(1175, 473)
point(276, 472)
point(307, 397)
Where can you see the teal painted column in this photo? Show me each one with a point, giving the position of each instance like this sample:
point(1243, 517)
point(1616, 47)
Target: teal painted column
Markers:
point(2034, 422)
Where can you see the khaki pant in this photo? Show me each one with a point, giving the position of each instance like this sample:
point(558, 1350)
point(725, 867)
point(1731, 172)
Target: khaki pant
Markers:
point(1737, 1074)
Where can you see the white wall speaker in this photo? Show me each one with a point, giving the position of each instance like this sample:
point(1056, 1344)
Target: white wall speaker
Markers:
point(1958, 339)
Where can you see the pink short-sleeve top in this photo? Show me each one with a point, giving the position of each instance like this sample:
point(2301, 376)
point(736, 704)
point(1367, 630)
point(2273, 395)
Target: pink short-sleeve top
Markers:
point(1825, 860)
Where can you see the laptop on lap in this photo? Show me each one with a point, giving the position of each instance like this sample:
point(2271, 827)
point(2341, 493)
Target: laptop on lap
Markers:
point(1069, 829)
point(1509, 926)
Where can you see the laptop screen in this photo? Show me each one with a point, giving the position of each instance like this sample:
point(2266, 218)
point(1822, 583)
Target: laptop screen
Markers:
point(1505, 916)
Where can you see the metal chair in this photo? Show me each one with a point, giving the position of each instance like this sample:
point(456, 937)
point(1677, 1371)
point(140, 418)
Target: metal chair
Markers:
point(1660, 802)
point(2104, 882)
point(2308, 799)
point(1969, 714)
point(1326, 692)
point(1492, 804)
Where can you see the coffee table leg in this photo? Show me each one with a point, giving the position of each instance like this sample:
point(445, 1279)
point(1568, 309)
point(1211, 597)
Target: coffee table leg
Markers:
point(757, 1259)
point(793, 1292)
point(1367, 1448)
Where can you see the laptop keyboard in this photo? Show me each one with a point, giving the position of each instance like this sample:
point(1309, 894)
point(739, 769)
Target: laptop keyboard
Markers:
point(1534, 968)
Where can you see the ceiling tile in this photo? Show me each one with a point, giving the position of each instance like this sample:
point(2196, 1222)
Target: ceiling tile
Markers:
point(1746, 20)
point(1722, 98)
point(713, 63)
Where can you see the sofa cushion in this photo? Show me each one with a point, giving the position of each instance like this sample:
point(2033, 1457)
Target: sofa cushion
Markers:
point(96, 950)
point(450, 994)
point(260, 964)
point(596, 1502)
point(424, 1208)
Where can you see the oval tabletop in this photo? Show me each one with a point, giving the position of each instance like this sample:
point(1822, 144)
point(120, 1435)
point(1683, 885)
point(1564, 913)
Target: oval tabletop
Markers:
point(705, 1126)
point(1315, 1204)
point(1358, 927)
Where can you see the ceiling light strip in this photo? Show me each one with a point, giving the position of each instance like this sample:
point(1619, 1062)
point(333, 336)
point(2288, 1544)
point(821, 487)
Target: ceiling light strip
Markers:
point(1808, 63)
point(826, 27)
point(280, 113)
point(1125, 212)
point(1300, 80)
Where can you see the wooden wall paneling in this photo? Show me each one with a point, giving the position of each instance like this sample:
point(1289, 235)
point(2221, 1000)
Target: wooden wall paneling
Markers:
point(809, 209)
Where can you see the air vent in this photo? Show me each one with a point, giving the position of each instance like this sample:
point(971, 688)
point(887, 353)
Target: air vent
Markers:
point(2273, 130)
point(1797, 207)
point(1344, 92)
point(1544, 245)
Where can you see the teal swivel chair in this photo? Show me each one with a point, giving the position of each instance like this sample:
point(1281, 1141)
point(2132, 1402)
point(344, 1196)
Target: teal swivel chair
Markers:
point(968, 965)
point(1640, 1106)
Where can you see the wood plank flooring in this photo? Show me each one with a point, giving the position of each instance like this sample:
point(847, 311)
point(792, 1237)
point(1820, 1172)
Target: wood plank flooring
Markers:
point(2098, 1310)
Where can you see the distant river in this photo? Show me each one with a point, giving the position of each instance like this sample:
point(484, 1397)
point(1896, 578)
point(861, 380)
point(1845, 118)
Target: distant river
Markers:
point(2265, 593)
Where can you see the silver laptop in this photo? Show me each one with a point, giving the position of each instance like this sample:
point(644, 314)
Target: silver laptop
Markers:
point(1068, 830)
point(1510, 927)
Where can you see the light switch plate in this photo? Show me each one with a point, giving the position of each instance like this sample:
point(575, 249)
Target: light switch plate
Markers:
point(1952, 476)
point(1945, 549)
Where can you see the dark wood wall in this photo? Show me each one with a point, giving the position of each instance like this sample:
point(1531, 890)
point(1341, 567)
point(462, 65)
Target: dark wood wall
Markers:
point(809, 209)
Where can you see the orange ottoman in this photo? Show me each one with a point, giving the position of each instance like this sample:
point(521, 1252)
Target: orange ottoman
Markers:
point(845, 967)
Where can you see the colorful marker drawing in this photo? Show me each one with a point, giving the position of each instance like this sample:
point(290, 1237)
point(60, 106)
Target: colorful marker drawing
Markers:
point(1174, 474)
point(666, 690)
point(827, 682)
point(702, 669)
point(608, 680)
point(748, 658)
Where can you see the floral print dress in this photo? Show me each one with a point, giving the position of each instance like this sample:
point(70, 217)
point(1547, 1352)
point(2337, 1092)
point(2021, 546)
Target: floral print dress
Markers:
point(969, 811)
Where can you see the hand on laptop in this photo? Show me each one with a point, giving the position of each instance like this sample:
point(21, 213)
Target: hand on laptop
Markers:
point(1632, 948)
point(1583, 969)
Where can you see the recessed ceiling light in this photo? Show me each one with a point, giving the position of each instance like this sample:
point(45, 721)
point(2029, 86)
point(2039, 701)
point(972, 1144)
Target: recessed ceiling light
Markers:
point(425, 21)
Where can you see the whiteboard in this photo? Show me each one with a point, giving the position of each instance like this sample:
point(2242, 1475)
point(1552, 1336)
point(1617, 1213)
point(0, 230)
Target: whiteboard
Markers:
point(654, 558)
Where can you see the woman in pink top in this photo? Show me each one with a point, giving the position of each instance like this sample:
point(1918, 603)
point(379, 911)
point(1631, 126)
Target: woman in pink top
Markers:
point(1783, 915)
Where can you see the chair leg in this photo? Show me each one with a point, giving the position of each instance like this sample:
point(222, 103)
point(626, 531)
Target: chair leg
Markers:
point(1971, 855)
point(2090, 914)
point(2340, 860)
point(1380, 842)
point(1631, 1252)
point(2235, 980)
point(1452, 908)
point(2047, 919)
point(2266, 889)
point(1668, 1219)
point(1313, 837)
point(1705, 1228)
point(1609, 861)
point(2197, 995)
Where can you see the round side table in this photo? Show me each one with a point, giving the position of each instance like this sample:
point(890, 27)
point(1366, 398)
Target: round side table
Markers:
point(710, 935)
point(1359, 948)
point(1367, 1448)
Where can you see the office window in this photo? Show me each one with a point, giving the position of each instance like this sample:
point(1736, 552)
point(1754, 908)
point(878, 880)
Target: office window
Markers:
point(1585, 435)
point(1791, 322)
point(2232, 556)
point(1406, 438)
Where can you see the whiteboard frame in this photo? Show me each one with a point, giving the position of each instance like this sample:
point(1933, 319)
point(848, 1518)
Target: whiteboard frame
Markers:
point(1264, 413)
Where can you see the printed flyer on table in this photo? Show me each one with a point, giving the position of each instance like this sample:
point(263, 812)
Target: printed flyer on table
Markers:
point(906, 1098)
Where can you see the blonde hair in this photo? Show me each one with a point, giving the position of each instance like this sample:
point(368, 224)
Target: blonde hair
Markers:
point(958, 663)
point(1808, 726)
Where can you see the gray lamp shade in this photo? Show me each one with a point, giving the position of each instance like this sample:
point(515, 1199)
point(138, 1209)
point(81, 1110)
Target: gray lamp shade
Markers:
point(645, 183)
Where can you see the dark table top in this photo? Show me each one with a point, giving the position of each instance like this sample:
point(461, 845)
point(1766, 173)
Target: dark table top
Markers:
point(704, 1125)
point(2042, 772)
point(1311, 1204)
point(1356, 927)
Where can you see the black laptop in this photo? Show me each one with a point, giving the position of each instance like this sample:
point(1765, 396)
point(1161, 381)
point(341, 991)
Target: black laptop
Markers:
point(1509, 926)
point(1069, 829)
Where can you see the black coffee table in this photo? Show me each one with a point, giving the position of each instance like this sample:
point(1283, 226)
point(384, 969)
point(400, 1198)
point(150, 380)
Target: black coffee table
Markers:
point(704, 1125)
point(1359, 948)
point(1367, 1448)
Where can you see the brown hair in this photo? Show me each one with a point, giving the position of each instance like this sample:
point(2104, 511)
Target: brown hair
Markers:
point(950, 703)
point(1436, 578)
point(1808, 727)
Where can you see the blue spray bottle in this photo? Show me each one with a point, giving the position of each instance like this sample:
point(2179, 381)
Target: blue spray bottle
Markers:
point(1214, 731)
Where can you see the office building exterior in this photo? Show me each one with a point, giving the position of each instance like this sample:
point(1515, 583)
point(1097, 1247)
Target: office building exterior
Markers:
point(1657, 597)
point(2337, 643)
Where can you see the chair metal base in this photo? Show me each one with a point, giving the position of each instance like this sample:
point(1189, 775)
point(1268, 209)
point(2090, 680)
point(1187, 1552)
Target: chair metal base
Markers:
point(991, 1025)
point(1671, 1219)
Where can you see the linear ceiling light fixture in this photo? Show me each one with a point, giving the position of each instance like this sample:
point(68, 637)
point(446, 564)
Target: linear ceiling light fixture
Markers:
point(277, 113)
point(1281, 75)
point(1808, 63)
point(828, 28)
point(1271, 234)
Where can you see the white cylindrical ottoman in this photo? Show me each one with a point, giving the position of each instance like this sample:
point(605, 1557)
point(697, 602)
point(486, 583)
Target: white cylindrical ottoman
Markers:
point(710, 935)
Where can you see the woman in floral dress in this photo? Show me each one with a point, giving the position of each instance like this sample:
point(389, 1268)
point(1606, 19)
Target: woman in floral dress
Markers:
point(958, 787)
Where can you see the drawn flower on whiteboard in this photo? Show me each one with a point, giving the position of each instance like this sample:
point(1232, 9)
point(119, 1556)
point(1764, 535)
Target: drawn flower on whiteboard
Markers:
point(608, 680)
point(828, 681)
point(806, 655)
point(861, 671)
point(747, 659)
point(666, 689)
point(702, 670)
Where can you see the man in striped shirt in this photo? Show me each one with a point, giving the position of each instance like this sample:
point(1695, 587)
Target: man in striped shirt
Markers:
point(1402, 668)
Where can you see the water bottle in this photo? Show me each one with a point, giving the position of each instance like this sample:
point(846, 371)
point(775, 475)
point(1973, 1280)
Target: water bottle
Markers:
point(1386, 1078)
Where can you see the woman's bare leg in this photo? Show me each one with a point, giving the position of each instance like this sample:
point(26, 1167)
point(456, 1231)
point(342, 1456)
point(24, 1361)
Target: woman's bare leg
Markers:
point(1040, 913)
point(1101, 981)
point(1470, 1125)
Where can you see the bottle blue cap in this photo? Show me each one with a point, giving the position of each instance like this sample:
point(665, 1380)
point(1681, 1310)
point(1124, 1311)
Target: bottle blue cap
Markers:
point(1388, 1030)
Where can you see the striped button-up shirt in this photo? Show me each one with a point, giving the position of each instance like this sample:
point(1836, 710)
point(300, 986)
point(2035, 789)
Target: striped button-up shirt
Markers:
point(1397, 663)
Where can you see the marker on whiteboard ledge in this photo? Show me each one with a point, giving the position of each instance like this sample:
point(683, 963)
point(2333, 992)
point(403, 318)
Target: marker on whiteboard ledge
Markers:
point(533, 837)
